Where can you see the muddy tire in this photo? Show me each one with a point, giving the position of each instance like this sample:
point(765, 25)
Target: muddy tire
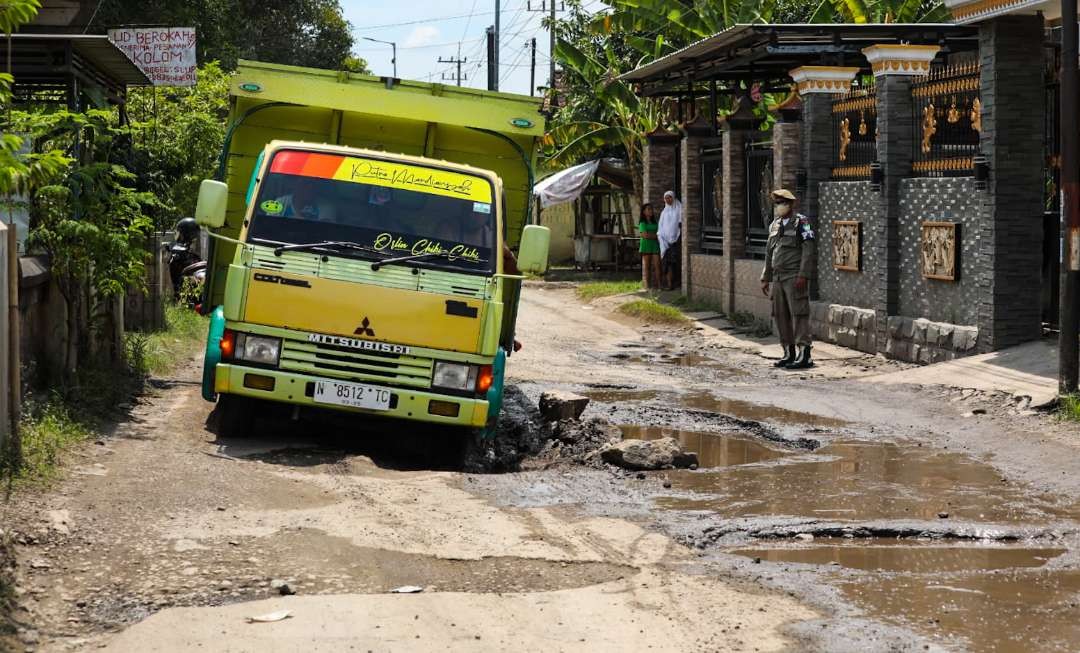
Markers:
point(234, 416)
point(475, 450)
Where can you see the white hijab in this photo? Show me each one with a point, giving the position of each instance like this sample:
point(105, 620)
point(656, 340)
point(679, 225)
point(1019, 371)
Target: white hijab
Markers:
point(670, 227)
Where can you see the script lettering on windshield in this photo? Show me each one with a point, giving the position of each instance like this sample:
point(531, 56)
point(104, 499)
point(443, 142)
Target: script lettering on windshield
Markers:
point(390, 174)
point(386, 242)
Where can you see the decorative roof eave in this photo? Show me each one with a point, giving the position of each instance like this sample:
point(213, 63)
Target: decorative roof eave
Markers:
point(910, 60)
point(972, 11)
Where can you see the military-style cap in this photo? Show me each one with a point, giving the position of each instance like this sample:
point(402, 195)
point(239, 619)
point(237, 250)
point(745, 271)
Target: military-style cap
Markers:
point(783, 194)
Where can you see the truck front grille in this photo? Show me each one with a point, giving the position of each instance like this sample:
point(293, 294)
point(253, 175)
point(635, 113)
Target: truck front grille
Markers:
point(336, 362)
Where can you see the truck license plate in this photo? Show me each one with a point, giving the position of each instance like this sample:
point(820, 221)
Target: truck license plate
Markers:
point(353, 395)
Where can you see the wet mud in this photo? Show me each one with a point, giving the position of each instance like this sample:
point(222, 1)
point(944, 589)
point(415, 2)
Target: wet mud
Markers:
point(924, 540)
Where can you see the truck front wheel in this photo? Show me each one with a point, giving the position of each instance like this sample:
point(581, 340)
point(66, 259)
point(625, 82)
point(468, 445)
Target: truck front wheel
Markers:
point(234, 416)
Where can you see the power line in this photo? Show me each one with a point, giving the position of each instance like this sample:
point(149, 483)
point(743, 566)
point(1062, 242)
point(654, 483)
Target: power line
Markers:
point(419, 47)
point(434, 19)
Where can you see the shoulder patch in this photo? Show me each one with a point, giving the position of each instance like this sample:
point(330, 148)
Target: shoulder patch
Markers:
point(805, 229)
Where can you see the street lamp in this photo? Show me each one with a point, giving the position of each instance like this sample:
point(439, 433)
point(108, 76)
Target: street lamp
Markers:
point(393, 58)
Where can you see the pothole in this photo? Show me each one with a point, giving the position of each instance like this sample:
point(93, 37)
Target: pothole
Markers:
point(713, 450)
point(863, 481)
point(924, 558)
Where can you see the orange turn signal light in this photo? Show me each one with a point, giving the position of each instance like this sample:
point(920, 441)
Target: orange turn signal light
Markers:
point(485, 378)
point(228, 344)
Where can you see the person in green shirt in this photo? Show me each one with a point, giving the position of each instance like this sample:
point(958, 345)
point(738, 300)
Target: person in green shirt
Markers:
point(650, 248)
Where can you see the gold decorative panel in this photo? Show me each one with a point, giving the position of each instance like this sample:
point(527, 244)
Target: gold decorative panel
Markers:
point(939, 249)
point(847, 245)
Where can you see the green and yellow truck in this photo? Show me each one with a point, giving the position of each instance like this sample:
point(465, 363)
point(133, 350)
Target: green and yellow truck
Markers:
point(361, 259)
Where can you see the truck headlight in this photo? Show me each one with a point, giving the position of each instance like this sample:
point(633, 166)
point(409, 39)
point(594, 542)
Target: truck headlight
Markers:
point(258, 349)
point(454, 376)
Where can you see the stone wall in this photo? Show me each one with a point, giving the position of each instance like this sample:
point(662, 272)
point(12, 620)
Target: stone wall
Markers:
point(848, 326)
point(952, 199)
point(847, 200)
point(708, 281)
point(921, 341)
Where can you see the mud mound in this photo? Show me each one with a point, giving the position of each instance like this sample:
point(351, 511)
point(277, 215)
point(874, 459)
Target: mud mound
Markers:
point(525, 441)
point(574, 442)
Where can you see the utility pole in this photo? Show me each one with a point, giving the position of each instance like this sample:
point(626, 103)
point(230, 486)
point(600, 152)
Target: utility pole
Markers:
point(492, 68)
point(454, 60)
point(532, 68)
point(548, 6)
point(498, 36)
point(1069, 356)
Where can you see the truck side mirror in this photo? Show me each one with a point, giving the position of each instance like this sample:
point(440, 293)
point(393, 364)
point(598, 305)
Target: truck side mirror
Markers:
point(533, 253)
point(210, 209)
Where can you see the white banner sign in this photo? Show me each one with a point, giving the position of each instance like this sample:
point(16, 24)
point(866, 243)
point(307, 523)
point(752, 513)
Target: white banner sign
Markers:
point(165, 54)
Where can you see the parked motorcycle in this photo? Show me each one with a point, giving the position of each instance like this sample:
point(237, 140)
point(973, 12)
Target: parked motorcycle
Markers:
point(186, 268)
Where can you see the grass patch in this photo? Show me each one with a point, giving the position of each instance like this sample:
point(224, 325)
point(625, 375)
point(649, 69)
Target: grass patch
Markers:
point(49, 428)
point(653, 311)
point(754, 324)
point(596, 289)
point(162, 351)
point(1069, 407)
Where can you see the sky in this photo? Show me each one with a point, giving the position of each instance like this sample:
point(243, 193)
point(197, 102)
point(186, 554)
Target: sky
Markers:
point(426, 30)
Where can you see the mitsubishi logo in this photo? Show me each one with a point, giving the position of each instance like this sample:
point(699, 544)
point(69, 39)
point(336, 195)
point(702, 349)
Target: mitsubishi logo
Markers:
point(365, 329)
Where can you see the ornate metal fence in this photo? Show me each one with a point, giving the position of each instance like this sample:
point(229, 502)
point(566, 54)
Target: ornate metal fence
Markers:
point(854, 118)
point(947, 113)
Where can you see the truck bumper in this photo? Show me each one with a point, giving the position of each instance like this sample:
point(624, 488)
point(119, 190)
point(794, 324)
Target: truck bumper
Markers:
point(292, 388)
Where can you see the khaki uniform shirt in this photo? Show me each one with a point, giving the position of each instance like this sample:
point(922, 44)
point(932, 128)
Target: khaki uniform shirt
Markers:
point(791, 250)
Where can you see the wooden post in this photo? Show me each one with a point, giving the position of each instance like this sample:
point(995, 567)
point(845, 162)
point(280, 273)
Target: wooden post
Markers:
point(14, 356)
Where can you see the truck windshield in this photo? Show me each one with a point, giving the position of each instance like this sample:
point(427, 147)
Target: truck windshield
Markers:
point(389, 208)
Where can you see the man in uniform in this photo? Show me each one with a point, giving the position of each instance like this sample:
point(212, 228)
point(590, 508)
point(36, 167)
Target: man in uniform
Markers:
point(790, 264)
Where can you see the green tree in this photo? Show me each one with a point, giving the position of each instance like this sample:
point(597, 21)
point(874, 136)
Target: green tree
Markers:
point(297, 32)
point(89, 219)
point(177, 134)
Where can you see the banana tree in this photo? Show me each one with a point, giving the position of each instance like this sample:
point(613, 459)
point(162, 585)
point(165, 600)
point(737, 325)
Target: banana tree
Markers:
point(887, 11)
point(623, 118)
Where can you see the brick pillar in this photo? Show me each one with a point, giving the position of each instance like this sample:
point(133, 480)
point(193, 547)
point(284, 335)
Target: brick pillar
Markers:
point(786, 155)
point(895, 140)
point(694, 135)
point(816, 140)
point(734, 193)
point(895, 67)
point(1010, 247)
point(659, 167)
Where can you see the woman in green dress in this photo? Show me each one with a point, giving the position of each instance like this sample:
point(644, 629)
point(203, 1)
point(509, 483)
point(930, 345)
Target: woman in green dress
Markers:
point(650, 249)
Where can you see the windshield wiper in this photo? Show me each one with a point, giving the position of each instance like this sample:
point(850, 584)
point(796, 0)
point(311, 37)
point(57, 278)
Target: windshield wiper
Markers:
point(339, 244)
point(412, 257)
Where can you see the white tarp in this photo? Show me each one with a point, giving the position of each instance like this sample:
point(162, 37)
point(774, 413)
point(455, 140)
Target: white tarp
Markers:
point(565, 185)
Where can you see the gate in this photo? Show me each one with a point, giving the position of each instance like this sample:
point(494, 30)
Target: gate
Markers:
point(1051, 267)
point(759, 187)
point(712, 201)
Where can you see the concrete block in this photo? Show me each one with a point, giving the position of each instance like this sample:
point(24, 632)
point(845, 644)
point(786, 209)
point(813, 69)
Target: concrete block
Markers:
point(848, 337)
point(965, 338)
point(898, 349)
point(895, 326)
point(907, 329)
point(836, 314)
point(867, 341)
point(926, 355)
point(851, 318)
point(919, 330)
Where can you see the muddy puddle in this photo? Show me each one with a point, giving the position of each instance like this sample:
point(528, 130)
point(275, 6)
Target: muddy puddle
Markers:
point(1006, 611)
point(863, 481)
point(713, 450)
point(919, 557)
point(975, 598)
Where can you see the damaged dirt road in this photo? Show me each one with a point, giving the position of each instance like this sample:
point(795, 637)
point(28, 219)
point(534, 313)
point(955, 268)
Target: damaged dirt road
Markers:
point(827, 513)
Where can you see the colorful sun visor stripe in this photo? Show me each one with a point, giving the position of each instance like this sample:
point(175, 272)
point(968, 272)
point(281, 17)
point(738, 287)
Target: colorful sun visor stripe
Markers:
point(382, 173)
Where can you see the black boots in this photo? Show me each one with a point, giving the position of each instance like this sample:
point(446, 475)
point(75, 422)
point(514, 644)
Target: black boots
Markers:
point(789, 357)
point(803, 361)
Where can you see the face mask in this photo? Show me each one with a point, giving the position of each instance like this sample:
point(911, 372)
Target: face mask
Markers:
point(781, 210)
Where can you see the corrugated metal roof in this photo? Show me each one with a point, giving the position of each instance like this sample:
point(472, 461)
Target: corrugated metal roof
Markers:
point(771, 50)
point(96, 49)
